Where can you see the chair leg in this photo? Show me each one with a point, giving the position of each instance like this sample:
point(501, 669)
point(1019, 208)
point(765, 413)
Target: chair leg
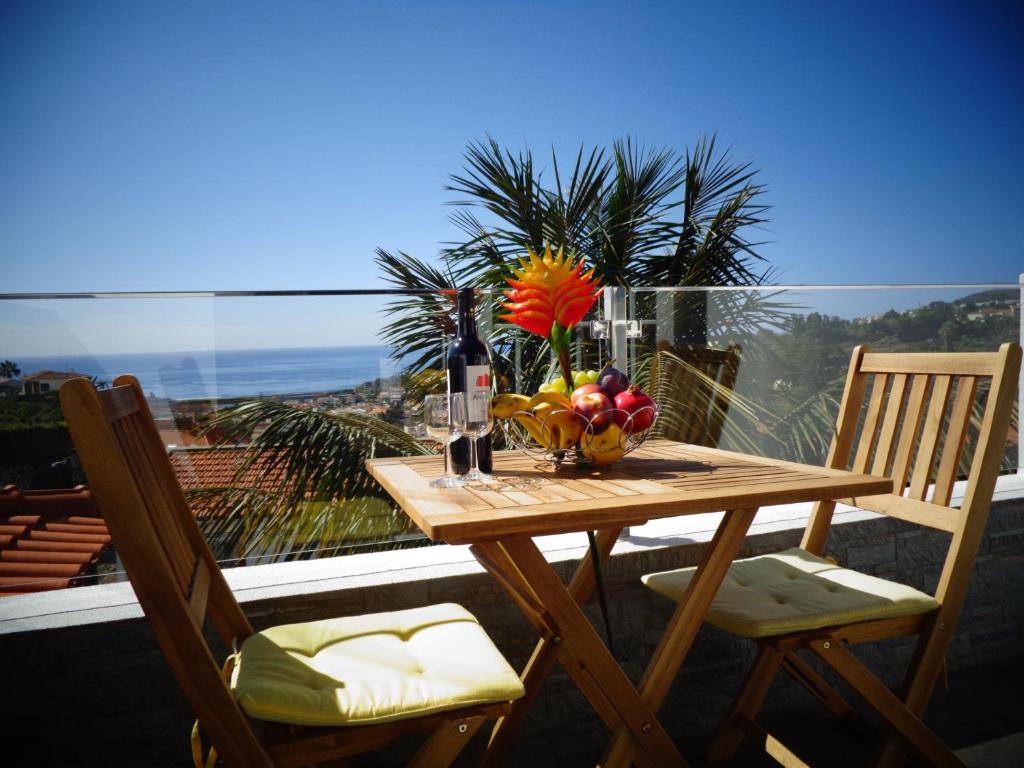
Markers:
point(918, 685)
point(885, 702)
point(747, 704)
point(444, 745)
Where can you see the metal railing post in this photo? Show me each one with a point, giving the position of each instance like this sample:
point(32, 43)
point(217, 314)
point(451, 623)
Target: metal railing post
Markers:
point(615, 312)
point(1020, 380)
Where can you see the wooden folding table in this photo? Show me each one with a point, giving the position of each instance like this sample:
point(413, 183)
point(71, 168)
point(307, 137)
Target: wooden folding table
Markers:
point(660, 479)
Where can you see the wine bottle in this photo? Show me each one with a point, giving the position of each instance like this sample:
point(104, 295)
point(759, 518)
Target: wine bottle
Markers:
point(469, 369)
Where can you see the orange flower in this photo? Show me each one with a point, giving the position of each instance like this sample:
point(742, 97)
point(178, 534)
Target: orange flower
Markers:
point(549, 291)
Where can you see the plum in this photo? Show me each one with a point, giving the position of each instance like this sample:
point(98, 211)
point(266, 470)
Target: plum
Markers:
point(613, 381)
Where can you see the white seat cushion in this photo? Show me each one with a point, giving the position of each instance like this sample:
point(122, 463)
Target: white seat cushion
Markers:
point(371, 669)
point(793, 591)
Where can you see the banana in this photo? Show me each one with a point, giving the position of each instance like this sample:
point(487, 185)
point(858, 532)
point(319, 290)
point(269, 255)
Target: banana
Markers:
point(544, 410)
point(504, 406)
point(533, 425)
point(554, 398)
point(562, 429)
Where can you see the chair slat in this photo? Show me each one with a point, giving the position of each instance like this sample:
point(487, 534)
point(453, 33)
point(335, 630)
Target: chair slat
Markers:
point(908, 432)
point(119, 403)
point(199, 591)
point(729, 368)
point(952, 364)
point(175, 547)
point(871, 422)
point(956, 433)
point(911, 510)
point(890, 425)
point(925, 459)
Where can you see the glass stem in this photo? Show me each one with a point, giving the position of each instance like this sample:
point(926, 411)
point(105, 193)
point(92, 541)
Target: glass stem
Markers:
point(473, 467)
point(448, 458)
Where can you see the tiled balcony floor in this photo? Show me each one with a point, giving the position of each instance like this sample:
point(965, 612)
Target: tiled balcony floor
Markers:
point(981, 707)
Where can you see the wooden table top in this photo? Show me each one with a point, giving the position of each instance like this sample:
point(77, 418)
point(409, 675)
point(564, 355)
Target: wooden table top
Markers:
point(660, 479)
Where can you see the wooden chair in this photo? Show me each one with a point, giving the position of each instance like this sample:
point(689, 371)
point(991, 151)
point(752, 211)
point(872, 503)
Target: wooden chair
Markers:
point(697, 382)
point(290, 695)
point(917, 419)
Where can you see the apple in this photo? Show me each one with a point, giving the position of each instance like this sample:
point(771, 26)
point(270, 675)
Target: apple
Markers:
point(586, 389)
point(596, 408)
point(633, 403)
point(613, 381)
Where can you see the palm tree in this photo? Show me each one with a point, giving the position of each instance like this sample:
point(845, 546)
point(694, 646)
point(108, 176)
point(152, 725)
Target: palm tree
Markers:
point(639, 216)
point(9, 369)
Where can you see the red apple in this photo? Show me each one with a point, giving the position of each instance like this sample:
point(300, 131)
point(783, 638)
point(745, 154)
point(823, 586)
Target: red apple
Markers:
point(596, 408)
point(633, 403)
point(586, 389)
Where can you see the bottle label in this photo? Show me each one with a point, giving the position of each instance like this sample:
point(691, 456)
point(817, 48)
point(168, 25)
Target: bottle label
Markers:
point(478, 378)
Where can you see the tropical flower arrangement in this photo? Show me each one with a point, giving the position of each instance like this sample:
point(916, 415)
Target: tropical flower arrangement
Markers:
point(598, 413)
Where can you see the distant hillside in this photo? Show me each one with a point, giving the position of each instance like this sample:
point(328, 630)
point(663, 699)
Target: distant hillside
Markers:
point(999, 294)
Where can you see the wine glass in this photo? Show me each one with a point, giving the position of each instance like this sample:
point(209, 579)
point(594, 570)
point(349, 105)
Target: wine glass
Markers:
point(437, 418)
point(473, 417)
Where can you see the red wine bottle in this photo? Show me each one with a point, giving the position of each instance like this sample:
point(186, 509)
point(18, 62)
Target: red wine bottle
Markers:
point(469, 369)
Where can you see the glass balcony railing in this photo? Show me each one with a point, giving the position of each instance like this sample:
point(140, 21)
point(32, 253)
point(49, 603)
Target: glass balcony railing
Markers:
point(315, 356)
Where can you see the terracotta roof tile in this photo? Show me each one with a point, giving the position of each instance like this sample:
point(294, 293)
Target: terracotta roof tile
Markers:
point(48, 538)
point(66, 375)
point(217, 467)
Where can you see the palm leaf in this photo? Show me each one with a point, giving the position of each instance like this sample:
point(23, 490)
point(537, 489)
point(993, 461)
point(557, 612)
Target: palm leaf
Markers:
point(323, 494)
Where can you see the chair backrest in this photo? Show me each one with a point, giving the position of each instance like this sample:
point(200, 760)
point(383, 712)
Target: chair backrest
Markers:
point(914, 417)
point(697, 382)
point(176, 579)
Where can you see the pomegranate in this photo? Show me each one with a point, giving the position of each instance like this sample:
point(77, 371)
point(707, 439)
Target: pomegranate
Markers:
point(633, 403)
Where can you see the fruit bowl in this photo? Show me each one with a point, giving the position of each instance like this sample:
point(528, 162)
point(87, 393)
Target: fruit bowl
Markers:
point(586, 428)
point(547, 440)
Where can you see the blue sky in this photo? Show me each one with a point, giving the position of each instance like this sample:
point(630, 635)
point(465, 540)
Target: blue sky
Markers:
point(221, 145)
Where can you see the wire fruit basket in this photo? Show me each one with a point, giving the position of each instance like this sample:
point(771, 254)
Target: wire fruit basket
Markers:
point(566, 436)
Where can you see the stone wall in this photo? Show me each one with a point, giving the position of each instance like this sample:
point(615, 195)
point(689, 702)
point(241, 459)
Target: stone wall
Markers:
point(100, 694)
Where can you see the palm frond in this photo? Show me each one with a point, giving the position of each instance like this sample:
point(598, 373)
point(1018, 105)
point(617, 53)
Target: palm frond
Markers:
point(317, 462)
point(720, 201)
point(420, 322)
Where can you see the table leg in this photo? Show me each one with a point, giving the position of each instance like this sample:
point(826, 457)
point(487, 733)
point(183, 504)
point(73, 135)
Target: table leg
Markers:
point(683, 626)
point(610, 686)
point(549, 648)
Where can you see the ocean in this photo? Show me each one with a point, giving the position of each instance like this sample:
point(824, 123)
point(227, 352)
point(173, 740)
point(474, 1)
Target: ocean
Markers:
point(222, 374)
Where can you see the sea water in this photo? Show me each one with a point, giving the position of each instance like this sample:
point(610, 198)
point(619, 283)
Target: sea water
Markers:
point(220, 374)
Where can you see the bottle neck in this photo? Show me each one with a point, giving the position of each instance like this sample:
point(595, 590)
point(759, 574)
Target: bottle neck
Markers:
point(467, 313)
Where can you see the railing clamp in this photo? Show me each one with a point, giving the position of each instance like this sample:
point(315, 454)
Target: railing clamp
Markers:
point(602, 329)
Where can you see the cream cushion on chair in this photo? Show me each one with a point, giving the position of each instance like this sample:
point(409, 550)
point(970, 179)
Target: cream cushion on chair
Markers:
point(371, 669)
point(793, 591)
